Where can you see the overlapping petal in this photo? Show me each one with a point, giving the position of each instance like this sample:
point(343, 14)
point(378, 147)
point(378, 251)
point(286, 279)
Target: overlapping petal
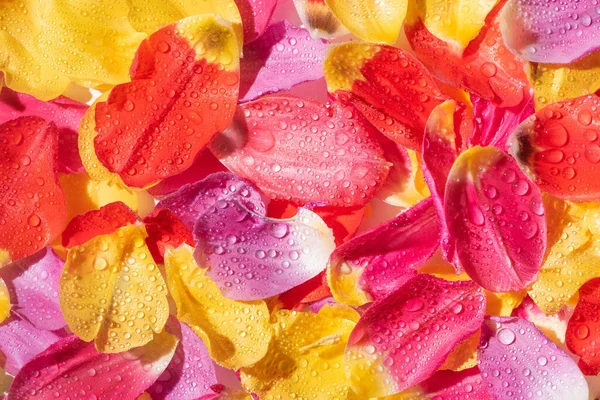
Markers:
point(495, 215)
point(112, 292)
point(450, 385)
point(304, 151)
point(181, 74)
point(318, 19)
point(404, 338)
point(256, 15)
point(517, 361)
point(165, 229)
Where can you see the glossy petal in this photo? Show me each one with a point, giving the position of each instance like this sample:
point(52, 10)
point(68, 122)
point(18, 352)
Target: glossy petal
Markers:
point(390, 87)
point(33, 286)
point(236, 333)
point(94, 223)
point(41, 61)
point(256, 15)
point(557, 32)
point(173, 104)
point(72, 366)
point(32, 205)
point(165, 229)
point(65, 114)
point(372, 21)
point(558, 148)
point(423, 322)
point(374, 264)
point(318, 19)
point(583, 327)
point(114, 276)
point(306, 359)
point(517, 361)
point(281, 58)
point(303, 151)
point(20, 341)
point(450, 385)
point(495, 215)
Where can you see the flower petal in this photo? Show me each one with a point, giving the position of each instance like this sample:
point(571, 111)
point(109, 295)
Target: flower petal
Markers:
point(583, 327)
point(256, 15)
point(32, 210)
point(549, 145)
point(550, 32)
point(390, 87)
point(449, 385)
point(304, 151)
point(282, 57)
point(72, 366)
point(236, 333)
point(517, 361)
point(201, 53)
point(114, 276)
point(165, 229)
point(404, 338)
point(374, 264)
point(372, 21)
point(495, 216)
point(65, 113)
point(33, 286)
point(5, 306)
point(318, 19)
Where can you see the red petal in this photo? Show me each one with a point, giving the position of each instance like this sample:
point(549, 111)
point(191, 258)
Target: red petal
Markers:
point(256, 15)
point(32, 205)
point(165, 229)
point(107, 219)
point(153, 127)
point(344, 223)
point(305, 152)
point(583, 330)
point(495, 216)
point(449, 385)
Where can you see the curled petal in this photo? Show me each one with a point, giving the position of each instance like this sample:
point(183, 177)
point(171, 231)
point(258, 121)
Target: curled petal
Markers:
point(517, 361)
point(32, 209)
point(404, 338)
point(318, 19)
point(304, 151)
point(495, 216)
point(551, 32)
point(281, 58)
point(114, 276)
point(159, 134)
point(374, 264)
point(165, 229)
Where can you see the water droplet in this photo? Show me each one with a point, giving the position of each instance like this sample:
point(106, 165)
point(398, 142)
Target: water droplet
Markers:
point(34, 220)
point(542, 360)
point(506, 336)
point(582, 331)
point(414, 304)
point(279, 230)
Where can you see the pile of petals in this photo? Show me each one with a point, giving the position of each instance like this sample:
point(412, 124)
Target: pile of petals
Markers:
point(299, 199)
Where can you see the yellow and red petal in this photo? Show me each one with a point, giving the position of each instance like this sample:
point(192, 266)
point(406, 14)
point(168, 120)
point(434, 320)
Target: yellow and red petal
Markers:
point(165, 229)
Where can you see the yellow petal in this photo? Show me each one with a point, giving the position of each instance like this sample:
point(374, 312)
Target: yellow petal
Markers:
point(4, 301)
point(502, 304)
point(378, 21)
point(112, 292)
point(553, 82)
point(464, 354)
point(46, 45)
point(236, 333)
point(406, 192)
point(306, 357)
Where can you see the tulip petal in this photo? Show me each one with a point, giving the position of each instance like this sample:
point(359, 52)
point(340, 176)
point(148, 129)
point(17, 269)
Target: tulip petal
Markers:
point(404, 338)
point(33, 286)
point(304, 151)
point(72, 366)
point(114, 276)
point(32, 206)
point(374, 264)
point(165, 229)
point(236, 333)
point(282, 57)
point(318, 19)
point(551, 32)
point(256, 15)
point(390, 87)
point(495, 216)
point(549, 145)
point(583, 327)
point(450, 385)
point(517, 361)
point(201, 54)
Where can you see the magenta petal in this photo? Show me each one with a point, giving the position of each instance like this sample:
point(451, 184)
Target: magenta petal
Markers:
point(450, 385)
point(256, 15)
point(282, 57)
point(20, 341)
point(190, 373)
point(33, 286)
point(65, 113)
point(518, 362)
point(551, 31)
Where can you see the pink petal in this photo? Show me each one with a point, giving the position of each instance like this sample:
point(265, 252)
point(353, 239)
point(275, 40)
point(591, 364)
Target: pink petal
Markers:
point(190, 373)
point(557, 32)
point(387, 256)
point(518, 362)
point(256, 15)
point(33, 286)
point(71, 367)
point(282, 57)
point(495, 217)
point(65, 113)
point(404, 338)
point(20, 341)
point(450, 385)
